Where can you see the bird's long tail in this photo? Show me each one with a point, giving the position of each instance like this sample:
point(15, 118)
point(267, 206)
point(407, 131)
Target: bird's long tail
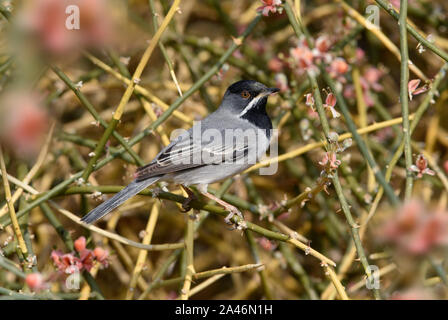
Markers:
point(107, 206)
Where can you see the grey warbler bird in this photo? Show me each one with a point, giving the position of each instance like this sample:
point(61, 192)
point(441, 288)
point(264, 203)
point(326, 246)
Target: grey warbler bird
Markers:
point(201, 156)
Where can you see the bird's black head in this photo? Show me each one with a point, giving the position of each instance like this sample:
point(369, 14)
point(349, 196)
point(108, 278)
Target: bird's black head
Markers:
point(247, 97)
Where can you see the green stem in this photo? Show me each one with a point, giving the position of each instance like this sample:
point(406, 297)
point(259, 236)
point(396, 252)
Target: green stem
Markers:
point(360, 142)
point(386, 6)
point(326, 129)
point(404, 79)
point(418, 115)
point(86, 103)
point(99, 148)
point(161, 45)
point(82, 141)
point(298, 270)
point(254, 196)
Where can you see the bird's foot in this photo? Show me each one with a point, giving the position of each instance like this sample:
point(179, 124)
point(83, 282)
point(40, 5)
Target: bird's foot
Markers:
point(191, 197)
point(241, 224)
point(186, 204)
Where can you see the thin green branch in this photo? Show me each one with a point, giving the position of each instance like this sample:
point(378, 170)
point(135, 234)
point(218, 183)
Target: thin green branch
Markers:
point(359, 141)
point(404, 99)
point(418, 115)
point(86, 103)
point(326, 129)
point(162, 47)
point(386, 6)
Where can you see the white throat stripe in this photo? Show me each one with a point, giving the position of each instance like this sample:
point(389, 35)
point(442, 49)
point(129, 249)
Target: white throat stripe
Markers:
point(251, 104)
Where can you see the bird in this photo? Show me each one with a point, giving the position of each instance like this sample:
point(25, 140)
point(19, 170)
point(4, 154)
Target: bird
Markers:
point(201, 156)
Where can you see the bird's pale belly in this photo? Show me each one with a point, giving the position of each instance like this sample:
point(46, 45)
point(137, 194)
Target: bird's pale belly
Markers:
point(206, 174)
point(212, 173)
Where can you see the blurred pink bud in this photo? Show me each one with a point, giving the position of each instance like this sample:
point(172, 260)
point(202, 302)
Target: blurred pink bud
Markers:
point(266, 244)
point(270, 6)
point(384, 134)
point(101, 255)
point(349, 91)
point(302, 56)
point(23, 123)
point(360, 54)
point(275, 64)
point(416, 293)
point(48, 19)
point(237, 54)
point(34, 281)
point(281, 82)
point(338, 67)
point(416, 230)
point(258, 45)
point(372, 77)
point(172, 295)
point(80, 244)
point(431, 232)
point(323, 43)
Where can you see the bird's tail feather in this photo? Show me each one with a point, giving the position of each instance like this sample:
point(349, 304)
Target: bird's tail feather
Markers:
point(107, 206)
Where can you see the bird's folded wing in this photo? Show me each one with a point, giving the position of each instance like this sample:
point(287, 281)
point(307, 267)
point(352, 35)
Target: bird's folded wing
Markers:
point(188, 153)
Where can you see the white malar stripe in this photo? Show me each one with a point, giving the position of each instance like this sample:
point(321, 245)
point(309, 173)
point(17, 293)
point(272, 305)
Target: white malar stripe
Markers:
point(251, 104)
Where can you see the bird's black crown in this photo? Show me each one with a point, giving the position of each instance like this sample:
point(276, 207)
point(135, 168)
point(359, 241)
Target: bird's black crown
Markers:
point(253, 87)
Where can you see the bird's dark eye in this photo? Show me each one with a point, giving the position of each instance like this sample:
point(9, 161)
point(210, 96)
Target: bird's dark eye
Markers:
point(245, 94)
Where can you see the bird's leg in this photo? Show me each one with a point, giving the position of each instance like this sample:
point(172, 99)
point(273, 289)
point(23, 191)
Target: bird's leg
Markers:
point(191, 197)
point(232, 209)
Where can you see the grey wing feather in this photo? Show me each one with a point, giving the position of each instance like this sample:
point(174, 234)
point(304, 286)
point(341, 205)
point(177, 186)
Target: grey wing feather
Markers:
point(187, 153)
point(175, 157)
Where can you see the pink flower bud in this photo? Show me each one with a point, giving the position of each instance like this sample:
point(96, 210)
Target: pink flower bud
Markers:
point(339, 66)
point(275, 64)
point(323, 44)
point(80, 244)
point(413, 89)
point(100, 254)
point(34, 281)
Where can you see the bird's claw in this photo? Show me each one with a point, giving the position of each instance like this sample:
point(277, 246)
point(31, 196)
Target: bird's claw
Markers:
point(232, 212)
point(186, 204)
point(191, 197)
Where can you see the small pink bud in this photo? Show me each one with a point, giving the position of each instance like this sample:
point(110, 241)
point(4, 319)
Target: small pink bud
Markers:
point(34, 281)
point(80, 244)
point(323, 43)
point(309, 100)
point(275, 64)
point(303, 56)
point(100, 254)
point(413, 89)
point(339, 66)
point(330, 100)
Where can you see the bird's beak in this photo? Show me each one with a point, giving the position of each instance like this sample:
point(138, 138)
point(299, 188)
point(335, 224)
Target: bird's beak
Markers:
point(272, 90)
point(268, 92)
